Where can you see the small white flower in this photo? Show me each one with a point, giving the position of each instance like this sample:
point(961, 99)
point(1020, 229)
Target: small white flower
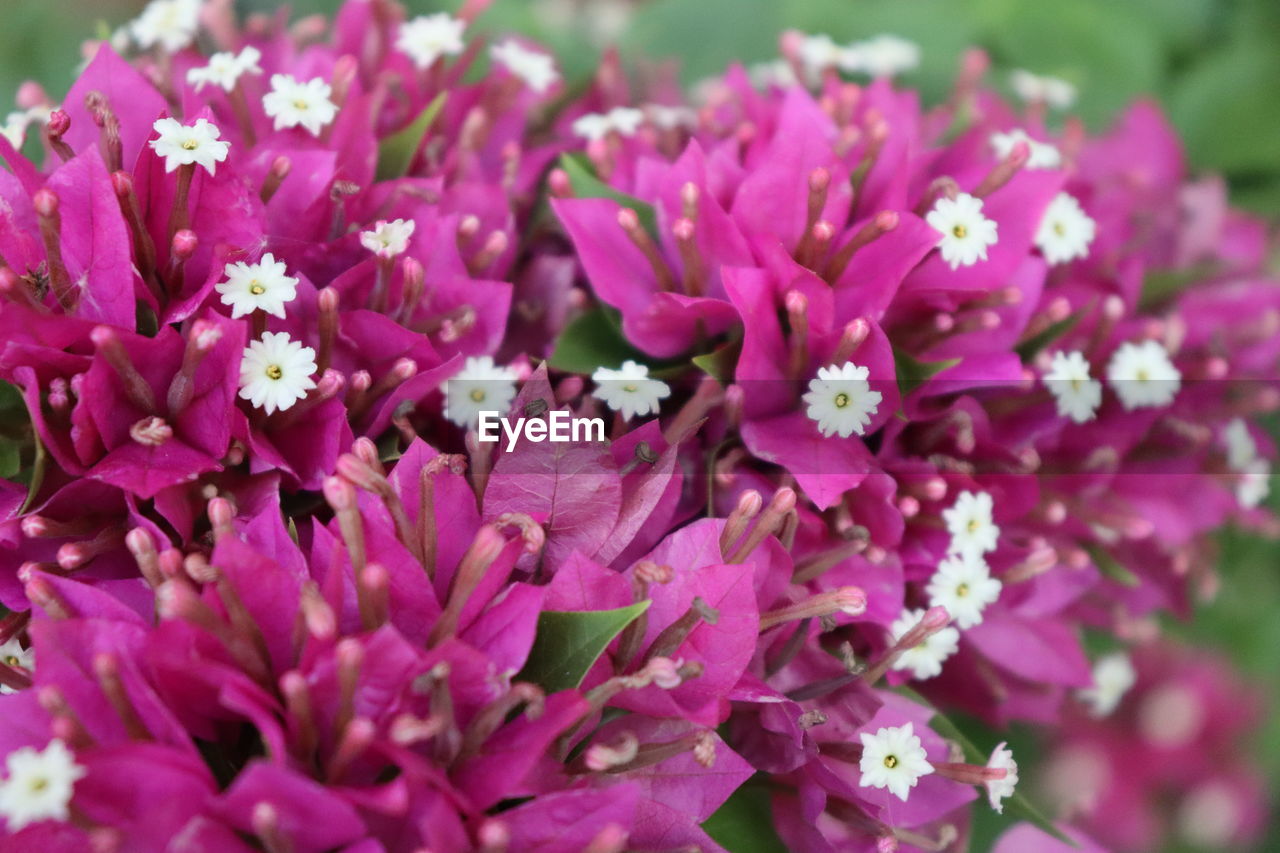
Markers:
point(629, 389)
point(276, 372)
point(171, 24)
point(766, 74)
point(841, 400)
point(817, 54)
point(1142, 375)
point(1048, 90)
point(893, 758)
point(593, 127)
point(668, 117)
point(1242, 450)
point(388, 239)
point(15, 128)
point(225, 69)
point(294, 104)
point(1113, 675)
point(428, 37)
point(1042, 154)
point(1065, 231)
point(481, 386)
point(971, 525)
point(1067, 379)
point(966, 233)
point(39, 785)
point(13, 654)
point(264, 286)
point(881, 56)
point(963, 584)
point(923, 660)
point(1000, 789)
point(183, 145)
point(537, 70)
point(1254, 483)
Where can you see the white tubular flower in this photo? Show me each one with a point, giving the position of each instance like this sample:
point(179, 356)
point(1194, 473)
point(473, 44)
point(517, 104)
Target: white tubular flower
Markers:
point(998, 790)
point(1066, 231)
point(1113, 675)
point(170, 24)
point(481, 386)
point(264, 286)
point(893, 758)
point(295, 104)
point(183, 145)
point(881, 56)
point(841, 400)
point(1043, 155)
point(1067, 379)
point(966, 233)
point(429, 37)
point(629, 389)
point(963, 584)
point(1143, 376)
point(13, 654)
point(537, 70)
point(1033, 88)
point(971, 525)
point(924, 660)
point(388, 239)
point(39, 785)
point(276, 372)
point(225, 69)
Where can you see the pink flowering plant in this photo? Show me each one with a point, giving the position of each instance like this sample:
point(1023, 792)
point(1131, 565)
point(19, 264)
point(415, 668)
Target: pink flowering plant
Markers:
point(892, 412)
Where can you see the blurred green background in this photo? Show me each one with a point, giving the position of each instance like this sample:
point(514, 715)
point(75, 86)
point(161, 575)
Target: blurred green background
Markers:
point(1213, 64)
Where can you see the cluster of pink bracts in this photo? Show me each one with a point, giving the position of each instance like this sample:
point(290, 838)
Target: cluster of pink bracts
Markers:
point(931, 394)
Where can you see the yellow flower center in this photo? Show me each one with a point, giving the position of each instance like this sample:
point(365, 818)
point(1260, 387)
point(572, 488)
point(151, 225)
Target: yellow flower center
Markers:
point(190, 144)
point(477, 395)
point(960, 231)
point(300, 104)
point(891, 761)
point(962, 590)
point(256, 288)
point(12, 660)
point(974, 524)
point(1059, 229)
point(842, 400)
point(274, 371)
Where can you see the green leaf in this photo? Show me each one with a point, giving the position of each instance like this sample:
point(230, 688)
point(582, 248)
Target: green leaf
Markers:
point(744, 822)
point(719, 364)
point(396, 153)
point(1110, 566)
point(1162, 285)
point(582, 178)
point(594, 340)
point(568, 643)
point(912, 374)
point(37, 476)
point(1031, 347)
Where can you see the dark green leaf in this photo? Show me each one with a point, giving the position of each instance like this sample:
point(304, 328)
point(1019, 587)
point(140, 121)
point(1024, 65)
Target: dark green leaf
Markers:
point(1161, 285)
point(586, 185)
point(1110, 566)
point(568, 643)
point(10, 458)
point(37, 476)
point(593, 340)
point(1031, 347)
point(744, 823)
point(396, 153)
point(912, 374)
point(719, 364)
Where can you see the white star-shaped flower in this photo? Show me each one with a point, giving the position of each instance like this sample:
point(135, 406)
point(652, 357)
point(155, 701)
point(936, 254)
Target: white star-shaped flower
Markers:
point(818, 53)
point(225, 69)
point(1242, 449)
point(998, 790)
point(264, 286)
point(1065, 231)
point(1113, 675)
point(1254, 483)
point(182, 145)
point(1067, 379)
point(893, 758)
point(276, 372)
point(293, 104)
point(668, 117)
point(963, 584)
point(481, 386)
point(971, 524)
point(426, 38)
point(881, 56)
point(388, 239)
point(1034, 88)
point(1043, 155)
point(13, 654)
point(629, 389)
point(841, 400)
point(778, 73)
point(536, 69)
point(966, 233)
point(1143, 376)
point(39, 784)
point(171, 24)
point(925, 659)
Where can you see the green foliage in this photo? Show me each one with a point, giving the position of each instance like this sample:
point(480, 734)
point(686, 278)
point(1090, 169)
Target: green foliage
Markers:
point(396, 153)
point(586, 185)
point(744, 824)
point(568, 643)
point(912, 373)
